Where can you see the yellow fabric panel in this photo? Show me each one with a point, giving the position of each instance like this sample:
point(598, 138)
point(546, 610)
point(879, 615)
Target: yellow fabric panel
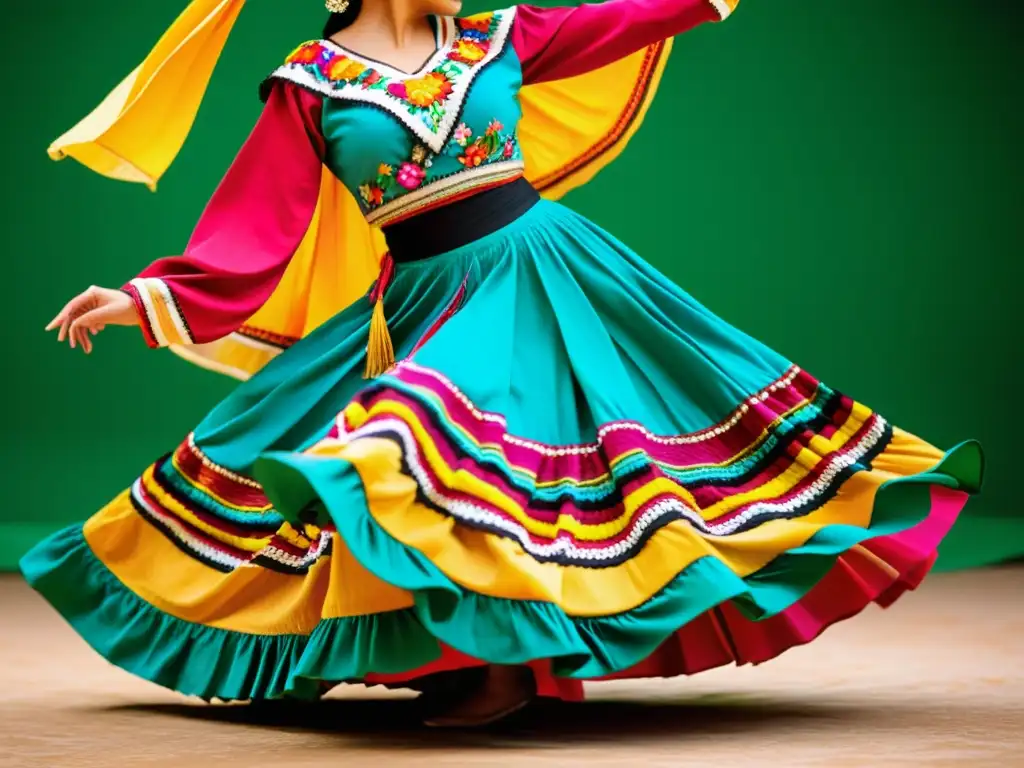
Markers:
point(335, 265)
point(573, 128)
point(357, 592)
point(251, 598)
point(231, 356)
point(138, 129)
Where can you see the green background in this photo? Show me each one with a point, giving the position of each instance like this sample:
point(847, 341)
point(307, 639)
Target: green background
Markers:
point(840, 178)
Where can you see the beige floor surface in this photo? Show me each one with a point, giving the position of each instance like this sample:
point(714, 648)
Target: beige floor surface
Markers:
point(938, 680)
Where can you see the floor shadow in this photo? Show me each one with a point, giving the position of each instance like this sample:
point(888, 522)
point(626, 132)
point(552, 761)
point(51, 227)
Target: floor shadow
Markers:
point(397, 723)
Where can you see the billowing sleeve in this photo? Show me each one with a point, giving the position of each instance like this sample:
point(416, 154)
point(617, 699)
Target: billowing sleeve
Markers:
point(557, 43)
point(247, 234)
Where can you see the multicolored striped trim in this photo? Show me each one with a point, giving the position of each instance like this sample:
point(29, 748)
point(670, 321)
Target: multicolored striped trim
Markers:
point(163, 322)
point(781, 455)
point(221, 518)
point(724, 7)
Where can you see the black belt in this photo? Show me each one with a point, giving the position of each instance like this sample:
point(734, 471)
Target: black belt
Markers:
point(457, 224)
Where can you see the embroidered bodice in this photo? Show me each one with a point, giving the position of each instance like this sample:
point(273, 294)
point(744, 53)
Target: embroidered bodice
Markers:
point(400, 141)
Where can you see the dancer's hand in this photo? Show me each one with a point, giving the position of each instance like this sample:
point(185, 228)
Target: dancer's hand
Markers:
point(90, 312)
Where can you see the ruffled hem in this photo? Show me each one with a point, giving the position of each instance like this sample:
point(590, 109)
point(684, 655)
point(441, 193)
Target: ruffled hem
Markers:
point(707, 616)
point(753, 618)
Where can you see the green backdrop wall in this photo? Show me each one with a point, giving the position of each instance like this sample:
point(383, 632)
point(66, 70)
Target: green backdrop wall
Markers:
point(840, 178)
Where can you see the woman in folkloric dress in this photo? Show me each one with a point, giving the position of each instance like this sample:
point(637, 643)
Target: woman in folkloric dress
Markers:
point(480, 433)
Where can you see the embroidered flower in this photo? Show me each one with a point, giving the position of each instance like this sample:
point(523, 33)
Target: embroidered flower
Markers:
point(494, 127)
point(510, 146)
point(307, 53)
point(410, 175)
point(462, 134)
point(476, 36)
point(468, 51)
point(425, 91)
point(344, 68)
point(372, 194)
point(474, 155)
point(372, 78)
point(481, 22)
point(419, 154)
point(383, 169)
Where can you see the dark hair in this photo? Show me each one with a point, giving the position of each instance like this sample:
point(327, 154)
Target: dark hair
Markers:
point(338, 21)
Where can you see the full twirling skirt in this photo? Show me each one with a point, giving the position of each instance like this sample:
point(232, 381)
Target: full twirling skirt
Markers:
point(574, 465)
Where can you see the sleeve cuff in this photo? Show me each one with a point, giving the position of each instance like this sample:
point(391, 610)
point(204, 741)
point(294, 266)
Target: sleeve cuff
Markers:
point(724, 7)
point(161, 319)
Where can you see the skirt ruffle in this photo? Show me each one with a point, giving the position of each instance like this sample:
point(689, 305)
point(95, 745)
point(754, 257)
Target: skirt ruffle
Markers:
point(575, 467)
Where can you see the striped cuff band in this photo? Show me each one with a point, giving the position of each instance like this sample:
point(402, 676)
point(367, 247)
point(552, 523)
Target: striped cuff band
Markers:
point(163, 320)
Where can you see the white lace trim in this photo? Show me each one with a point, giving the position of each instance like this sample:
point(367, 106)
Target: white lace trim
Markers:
point(434, 138)
point(722, 7)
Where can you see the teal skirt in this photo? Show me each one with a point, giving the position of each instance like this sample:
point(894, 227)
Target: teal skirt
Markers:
point(573, 466)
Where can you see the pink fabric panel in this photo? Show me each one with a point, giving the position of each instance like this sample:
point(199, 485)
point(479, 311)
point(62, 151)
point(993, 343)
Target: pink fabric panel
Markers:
point(253, 223)
point(555, 43)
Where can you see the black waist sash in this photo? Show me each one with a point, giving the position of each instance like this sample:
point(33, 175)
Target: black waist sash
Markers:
point(451, 226)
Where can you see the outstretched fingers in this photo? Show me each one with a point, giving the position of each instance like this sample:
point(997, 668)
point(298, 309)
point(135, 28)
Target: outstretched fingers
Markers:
point(91, 322)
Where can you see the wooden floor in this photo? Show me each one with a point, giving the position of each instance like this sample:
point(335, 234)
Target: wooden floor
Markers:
point(938, 680)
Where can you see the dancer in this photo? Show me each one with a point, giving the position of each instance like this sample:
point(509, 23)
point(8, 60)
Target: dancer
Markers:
point(477, 431)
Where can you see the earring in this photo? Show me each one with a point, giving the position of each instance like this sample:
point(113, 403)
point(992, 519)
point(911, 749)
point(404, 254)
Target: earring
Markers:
point(337, 6)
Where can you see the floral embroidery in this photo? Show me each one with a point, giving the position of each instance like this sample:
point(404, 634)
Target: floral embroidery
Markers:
point(373, 191)
point(342, 68)
point(424, 91)
point(492, 145)
point(479, 24)
point(495, 144)
point(468, 51)
point(411, 175)
point(462, 135)
point(474, 39)
point(336, 67)
point(426, 102)
point(307, 53)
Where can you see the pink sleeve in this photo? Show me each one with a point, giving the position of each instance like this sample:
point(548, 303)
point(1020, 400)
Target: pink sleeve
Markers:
point(555, 43)
point(246, 236)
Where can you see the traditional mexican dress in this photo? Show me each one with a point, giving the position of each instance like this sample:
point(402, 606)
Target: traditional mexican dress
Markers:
point(570, 465)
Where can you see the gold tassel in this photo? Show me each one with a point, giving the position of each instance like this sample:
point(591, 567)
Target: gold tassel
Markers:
point(380, 354)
